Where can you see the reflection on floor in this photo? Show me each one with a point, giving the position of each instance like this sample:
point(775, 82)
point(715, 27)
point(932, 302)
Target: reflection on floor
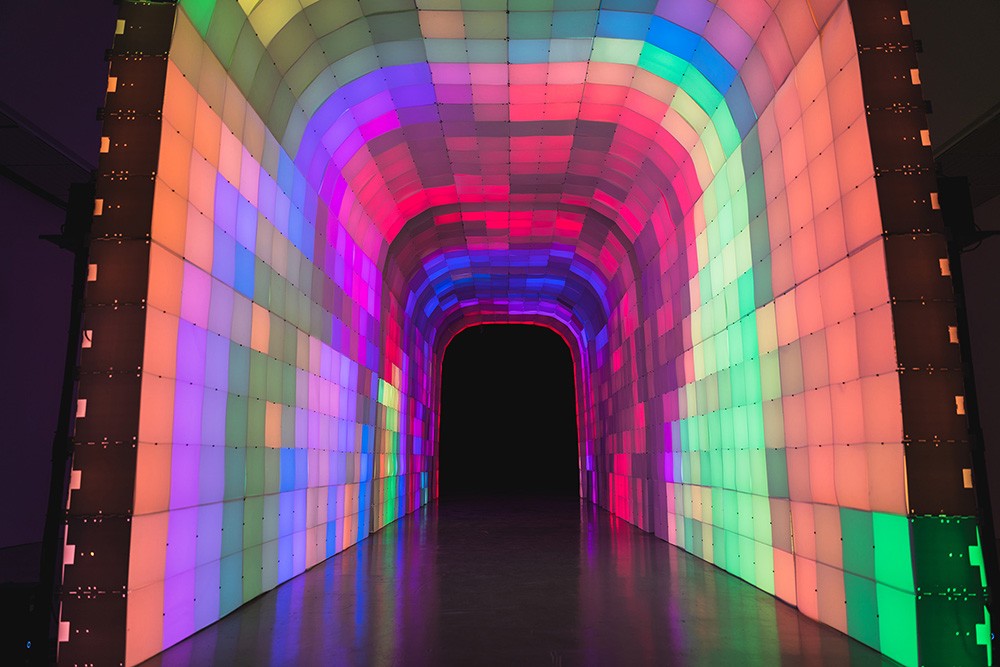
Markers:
point(523, 582)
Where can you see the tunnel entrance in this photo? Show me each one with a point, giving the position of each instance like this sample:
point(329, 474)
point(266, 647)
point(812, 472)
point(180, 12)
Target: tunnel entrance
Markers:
point(508, 420)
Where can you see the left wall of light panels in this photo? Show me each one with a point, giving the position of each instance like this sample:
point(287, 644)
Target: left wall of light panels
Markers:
point(260, 388)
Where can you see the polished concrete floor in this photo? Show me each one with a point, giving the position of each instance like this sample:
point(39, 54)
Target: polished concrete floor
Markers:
point(524, 582)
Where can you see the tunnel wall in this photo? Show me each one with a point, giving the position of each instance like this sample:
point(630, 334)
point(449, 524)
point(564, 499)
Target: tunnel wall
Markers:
point(259, 392)
point(742, 363)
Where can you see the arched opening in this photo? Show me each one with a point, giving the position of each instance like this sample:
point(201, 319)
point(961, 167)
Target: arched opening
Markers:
point(508, 420)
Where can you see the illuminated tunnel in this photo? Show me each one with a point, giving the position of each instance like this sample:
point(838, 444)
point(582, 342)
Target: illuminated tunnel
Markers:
point(727, 209)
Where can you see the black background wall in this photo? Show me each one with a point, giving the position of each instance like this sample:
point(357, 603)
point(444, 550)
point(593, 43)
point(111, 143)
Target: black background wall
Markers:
point(508, 421)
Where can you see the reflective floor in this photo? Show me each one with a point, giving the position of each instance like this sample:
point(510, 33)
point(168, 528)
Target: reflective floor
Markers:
point(528, 582)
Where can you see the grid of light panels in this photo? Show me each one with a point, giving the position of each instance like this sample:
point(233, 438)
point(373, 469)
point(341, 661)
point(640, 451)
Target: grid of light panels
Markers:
point(686, 191)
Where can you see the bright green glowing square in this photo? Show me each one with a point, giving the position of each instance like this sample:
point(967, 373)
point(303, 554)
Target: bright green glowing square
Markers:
point(200, 13)
point(897, 623)
point(893, 563)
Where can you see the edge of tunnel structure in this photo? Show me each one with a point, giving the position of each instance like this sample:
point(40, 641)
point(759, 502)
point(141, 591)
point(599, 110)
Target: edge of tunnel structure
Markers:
point(325, 362)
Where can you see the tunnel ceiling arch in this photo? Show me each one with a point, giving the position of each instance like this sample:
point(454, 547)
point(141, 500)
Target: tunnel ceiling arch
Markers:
point(690, 192)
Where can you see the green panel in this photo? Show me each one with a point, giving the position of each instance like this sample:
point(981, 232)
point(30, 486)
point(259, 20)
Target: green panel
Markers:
point(274, 374)
point(225, 30)
point(239, 369)
point(288, 384)
point(527, 25)
point(379, 6)
point(862, 608)
point(953, 628)
point(200, 13)
point(247, 58)
point(951, 586)
point(531, 5)
point(237, 418)
point(272, 470)
point(236, 473)
point(859, 542)
point(232, 527)
point(255, 471)
point(256, 415)
point(258, 374)
point(621, 51)
point(897, 624)
point(663, 63)
point(893, 562)
point(230, 583)
point(398, 26)
point(943, 550)
point(729, 136)
point(777, 473)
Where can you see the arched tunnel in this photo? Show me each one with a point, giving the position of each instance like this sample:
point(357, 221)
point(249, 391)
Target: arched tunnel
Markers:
point(726, 209)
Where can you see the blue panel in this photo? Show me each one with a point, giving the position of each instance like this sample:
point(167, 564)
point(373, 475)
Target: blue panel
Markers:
point(246, 224)
point(223, 257)
point(287, 469)
point(527, 51)
point(244, 271)
point(622, 25)
point(286, 172)
point(742, 111)
point(713, 66)
point(672, 38)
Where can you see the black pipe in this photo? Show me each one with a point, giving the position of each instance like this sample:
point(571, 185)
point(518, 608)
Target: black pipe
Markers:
point(75, 237)
point(963, 236)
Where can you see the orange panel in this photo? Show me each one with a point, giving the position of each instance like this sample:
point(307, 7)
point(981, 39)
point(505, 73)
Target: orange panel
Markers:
point(207, 128)
point(272, 425)
point(201, 193)
point(152, 478)
point(835, 293)
point(806, 596)
point(848, 412)
point(180, 101)
point(156, 420)
point(808, 304)
point(175, 160)
point(829, 546)
point(784, 576)
point(798, 473)
point(159, 355)
point(169, 219)
point(862, 218)
point(868, 277)
point(832, 599)
point(821, 474)
point(144, 622)
point(148, 549)
point(886, 476)
point(883, 418)
point(165, 277)
point(842, 351)
point(260, 333)
point(851, 475)
point(199, 241)
point(819, 421)
point(831, 243)
point(876, 345)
